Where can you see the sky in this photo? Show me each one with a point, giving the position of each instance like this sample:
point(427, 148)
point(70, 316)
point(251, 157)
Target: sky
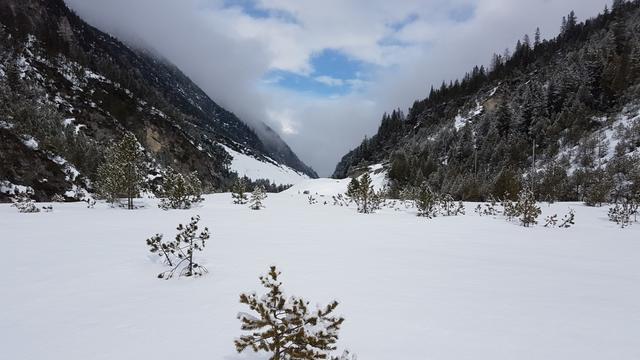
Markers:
point(322, 72)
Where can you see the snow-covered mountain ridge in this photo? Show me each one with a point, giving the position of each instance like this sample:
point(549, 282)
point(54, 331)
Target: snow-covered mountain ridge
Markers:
point(74, 90)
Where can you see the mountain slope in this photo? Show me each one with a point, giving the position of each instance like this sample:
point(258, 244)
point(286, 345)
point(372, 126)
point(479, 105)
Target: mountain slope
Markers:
point(561, 116)
point(75, 90)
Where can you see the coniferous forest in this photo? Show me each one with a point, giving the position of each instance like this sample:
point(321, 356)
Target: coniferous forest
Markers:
point(550, 115)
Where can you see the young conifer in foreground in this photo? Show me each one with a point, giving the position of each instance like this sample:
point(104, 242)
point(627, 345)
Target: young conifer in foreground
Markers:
point(178, 254)
point(286, 327)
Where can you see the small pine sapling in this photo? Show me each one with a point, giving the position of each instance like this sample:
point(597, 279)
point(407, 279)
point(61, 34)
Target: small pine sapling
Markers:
point(527, 209)
point(569, 219)
point(622, 213)
point(57, 198)
point(90, 203)
point(426, 202)
point(178, 254)
point(551, 220)
point(257, 197)
point(238, 192)
point(286, 328)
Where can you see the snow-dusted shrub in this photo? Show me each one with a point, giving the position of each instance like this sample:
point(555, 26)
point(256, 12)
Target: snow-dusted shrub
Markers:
point(90, 203)
point(47, 208)
point(57, 198)
point(312, 200)
point(238, 192)
point(286, 327)
point(567, 221)
point(427, 203)
point(24, 203)
point(527, 209)
point(488, 209)
point(180, 191)
point(624, 213)
point(257, 197)
point(362, 193)
point(449, 207)
point(178, 254)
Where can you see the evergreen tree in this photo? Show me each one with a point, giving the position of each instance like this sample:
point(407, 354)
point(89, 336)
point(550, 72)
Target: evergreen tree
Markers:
point(353, 189)
point(536, 38)
point(527, 209)
point(257, 197)
point(238, 192)
point(180, 191)
point(426, 202)
point(122, 172)
point(366, 196)
point(178, 254)
point(287, 328)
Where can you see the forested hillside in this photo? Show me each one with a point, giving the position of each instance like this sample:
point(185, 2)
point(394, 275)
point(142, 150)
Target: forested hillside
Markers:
point(560, 116)
point(68, 91)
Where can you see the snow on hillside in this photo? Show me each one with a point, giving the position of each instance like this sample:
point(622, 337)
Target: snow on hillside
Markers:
point(330, 187)
point(80, 283)
point(254, 169)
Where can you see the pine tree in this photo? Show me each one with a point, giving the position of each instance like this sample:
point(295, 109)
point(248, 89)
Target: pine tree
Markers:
point(286, 327)
point(180, 191)
point(353, 189)
point(178, 254)
point(257, 197)
point(238, 192)
point(365, 195)
point(121, 174)
point(426, 202)
point(536, 38)
point(527, 209)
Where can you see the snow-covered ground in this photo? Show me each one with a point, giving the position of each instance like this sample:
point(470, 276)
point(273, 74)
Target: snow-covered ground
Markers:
point(255, 169)
point(79, 283)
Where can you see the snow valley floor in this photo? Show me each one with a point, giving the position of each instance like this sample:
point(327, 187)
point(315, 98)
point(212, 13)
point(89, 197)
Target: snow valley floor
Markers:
point(79, 283)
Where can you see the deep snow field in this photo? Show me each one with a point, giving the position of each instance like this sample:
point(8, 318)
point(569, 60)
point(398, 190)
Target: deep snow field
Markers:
point(80, 284)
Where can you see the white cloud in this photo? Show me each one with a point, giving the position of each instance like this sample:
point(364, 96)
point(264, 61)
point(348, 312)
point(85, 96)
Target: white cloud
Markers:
point(228, 53)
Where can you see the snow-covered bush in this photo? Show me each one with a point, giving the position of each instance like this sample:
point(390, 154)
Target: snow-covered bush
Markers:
point(312, 200)
point(567, 221)
point(90, 203)
point(362, 193)
point(57, 198)
point(527, 209)
point(286, 327)
point(427, 203)
point(449, 207)
point(178, 254)
point(24, 203)
point(624, 213)
point(238, 192)
point(257, 197)
point(488, 209)
point(180, 191)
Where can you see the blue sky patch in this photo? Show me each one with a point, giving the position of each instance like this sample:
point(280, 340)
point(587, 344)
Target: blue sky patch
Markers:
point(250, 8)
point(333, 73)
